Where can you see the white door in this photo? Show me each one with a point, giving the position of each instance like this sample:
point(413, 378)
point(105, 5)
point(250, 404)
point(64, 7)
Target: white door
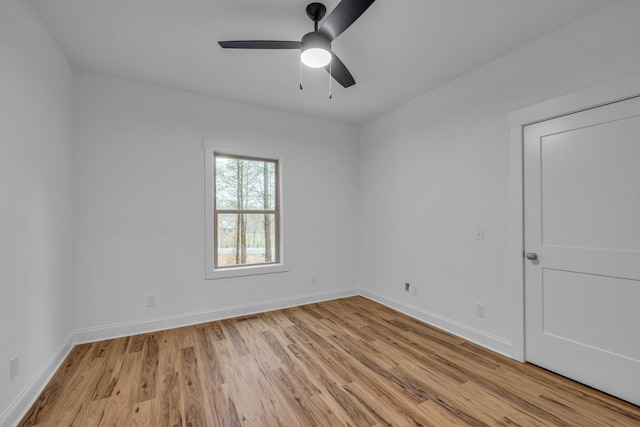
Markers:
point(582, 220)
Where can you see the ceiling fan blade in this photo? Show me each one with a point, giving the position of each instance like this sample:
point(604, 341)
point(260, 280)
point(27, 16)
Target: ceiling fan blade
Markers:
point(260, 44)
point(340, 72)
point(344, 14)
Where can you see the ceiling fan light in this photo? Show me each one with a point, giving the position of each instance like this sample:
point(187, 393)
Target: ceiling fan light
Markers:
point(315, 57)
point(316, 50)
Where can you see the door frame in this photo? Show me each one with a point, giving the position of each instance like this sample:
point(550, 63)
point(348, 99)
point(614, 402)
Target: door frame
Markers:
point(593, 97)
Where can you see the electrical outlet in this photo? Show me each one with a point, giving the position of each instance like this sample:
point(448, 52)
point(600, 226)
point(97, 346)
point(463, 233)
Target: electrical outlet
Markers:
point(479, 309)
point(152, 300)
point(314, 280)
point(13, 367)
point(414, 290)
point(407, 287)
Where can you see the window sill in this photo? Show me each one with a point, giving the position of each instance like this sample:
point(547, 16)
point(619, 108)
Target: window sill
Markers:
point(254, 270)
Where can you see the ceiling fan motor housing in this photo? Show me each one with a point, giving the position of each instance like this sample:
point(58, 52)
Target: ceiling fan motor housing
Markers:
point(315, 40)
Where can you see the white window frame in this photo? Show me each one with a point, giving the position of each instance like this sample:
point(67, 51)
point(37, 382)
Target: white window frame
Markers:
point(212, 146)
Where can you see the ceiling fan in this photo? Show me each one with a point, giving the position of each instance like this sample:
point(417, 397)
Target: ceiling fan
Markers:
point(316, 45)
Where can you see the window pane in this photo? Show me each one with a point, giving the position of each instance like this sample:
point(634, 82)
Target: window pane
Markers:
point(245, 239)
point(245, 184)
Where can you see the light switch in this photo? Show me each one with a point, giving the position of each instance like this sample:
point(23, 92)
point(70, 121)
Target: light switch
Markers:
point(478, 233)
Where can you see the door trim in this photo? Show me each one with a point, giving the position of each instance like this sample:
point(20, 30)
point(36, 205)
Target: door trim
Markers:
point(593, 97)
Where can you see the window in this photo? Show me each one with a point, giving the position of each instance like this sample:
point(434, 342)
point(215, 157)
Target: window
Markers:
point(245, 211)
point(243, 218)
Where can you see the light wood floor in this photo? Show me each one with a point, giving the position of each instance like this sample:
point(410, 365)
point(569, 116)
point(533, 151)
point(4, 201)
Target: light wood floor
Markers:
point(349, 362)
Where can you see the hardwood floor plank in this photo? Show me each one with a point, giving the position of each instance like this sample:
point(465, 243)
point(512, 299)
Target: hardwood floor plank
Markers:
point(216, 331)
point(239, 383)
point(448, 346)
point(331, 387)
point(383, 414)
point(149, 372)
point(276, 349)
point(48, 400)
point(300, 405)
point(136, 343)
point(546, 397)
point(347, 362)
point(381, 392)
point(439, 416)
point(412, 390)
point(207, 337)
point(297, 372)
point(196, 409)
point(113, 363)
point(327, 354)
point(315, 372)
point(350, 405)
point(406, 353)
point(236, 338)
point(119, 405)
point(82, 383)
point(300, 319)
point(502, 391)
point(141, 413)
point(170, 411)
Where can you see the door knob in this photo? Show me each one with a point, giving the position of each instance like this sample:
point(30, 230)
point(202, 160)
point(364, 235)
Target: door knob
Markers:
point(531, 256)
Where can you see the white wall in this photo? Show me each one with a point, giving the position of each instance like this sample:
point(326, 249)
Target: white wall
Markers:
point(36, 215)
point(436, 168)
point(139, 188)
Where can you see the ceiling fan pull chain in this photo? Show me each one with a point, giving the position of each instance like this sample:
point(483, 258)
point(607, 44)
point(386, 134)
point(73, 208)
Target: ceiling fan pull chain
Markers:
point(330, 93)
point(300, 75)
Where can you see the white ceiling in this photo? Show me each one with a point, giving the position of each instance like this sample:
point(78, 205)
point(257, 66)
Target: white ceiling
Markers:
point(396, 51)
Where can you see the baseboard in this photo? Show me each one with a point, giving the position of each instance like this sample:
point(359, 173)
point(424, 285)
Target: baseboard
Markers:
point(19, 407)
point(160, 323)
point(492, 342)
